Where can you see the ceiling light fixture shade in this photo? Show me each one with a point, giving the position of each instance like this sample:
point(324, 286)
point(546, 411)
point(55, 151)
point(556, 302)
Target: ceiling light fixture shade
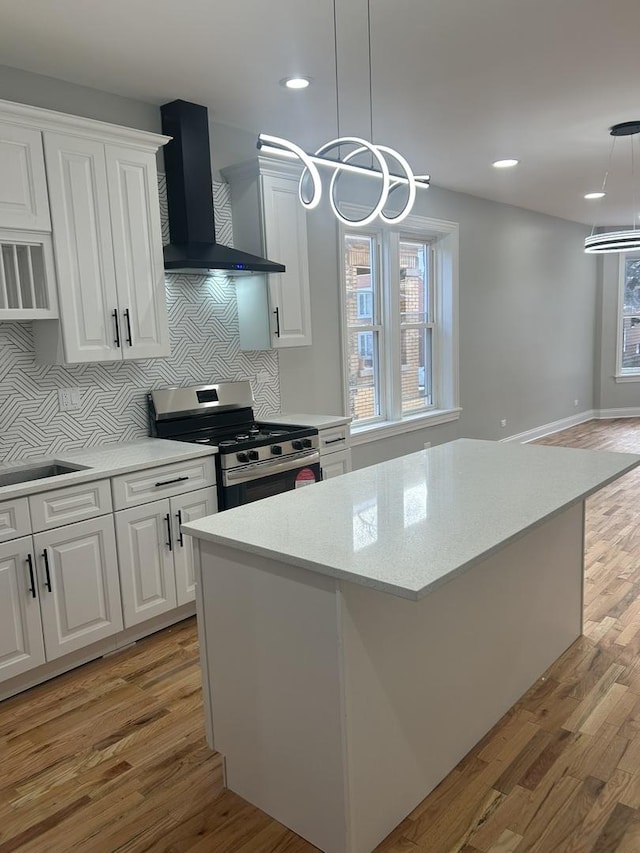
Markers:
point(296, 82)
point(310, 185)
point(505, 164)
point(617, 241)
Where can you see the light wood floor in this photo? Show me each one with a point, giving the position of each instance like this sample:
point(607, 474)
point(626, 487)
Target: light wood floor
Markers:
point(111, 757)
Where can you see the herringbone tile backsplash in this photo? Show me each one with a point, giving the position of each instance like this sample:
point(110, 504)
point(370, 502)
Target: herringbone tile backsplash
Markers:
point(203, 324)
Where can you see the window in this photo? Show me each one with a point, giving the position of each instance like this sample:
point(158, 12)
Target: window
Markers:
point(628, 358)
point(400, 326)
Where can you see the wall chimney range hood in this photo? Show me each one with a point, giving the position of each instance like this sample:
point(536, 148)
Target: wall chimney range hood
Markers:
point(193, 248)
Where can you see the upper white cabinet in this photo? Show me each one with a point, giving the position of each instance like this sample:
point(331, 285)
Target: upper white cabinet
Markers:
point(108, 247)
point(268, 219)
point(95, 190)
point(23, 184)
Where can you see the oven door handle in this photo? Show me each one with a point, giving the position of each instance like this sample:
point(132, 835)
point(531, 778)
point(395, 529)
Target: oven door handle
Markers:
point(266, 469)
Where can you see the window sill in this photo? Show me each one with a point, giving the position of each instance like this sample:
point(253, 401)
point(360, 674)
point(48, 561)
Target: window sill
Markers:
point(627, 377)
point(387, 429)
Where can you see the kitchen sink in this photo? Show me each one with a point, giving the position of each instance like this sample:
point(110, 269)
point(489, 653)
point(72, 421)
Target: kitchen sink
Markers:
point(25, 473)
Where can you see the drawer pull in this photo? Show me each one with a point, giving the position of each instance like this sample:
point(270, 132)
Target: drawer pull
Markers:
point(167, 518)
point(170, 482)
point(47, 581)
point(180, 536)
point(335, 440)
point(32, 580)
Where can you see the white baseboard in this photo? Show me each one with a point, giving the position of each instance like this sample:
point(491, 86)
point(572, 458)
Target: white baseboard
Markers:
point(554, 426)
point(574, 420)
point(607, 414)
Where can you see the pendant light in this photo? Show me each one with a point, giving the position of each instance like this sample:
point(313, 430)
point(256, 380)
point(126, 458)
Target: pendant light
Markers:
point(618, 241)
point(387, 166)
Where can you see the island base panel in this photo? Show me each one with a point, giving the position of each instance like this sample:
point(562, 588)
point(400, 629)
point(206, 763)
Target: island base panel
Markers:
point(338, 708)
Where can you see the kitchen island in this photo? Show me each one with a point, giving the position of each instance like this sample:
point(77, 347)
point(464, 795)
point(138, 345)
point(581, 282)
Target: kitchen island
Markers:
point(359, 637)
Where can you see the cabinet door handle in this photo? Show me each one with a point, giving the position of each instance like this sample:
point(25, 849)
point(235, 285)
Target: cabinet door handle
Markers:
point(127, 317)
point(47, 574)
point(277, 313)
point(167, 518)
point(32, 580)
point(117, 324)
point(180, 536)
point(170, 482)
point(334, 440)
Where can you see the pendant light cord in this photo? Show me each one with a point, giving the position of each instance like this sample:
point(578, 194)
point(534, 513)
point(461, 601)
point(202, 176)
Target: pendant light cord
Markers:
point(634, 206)
point(335, 56)
point(370, 75)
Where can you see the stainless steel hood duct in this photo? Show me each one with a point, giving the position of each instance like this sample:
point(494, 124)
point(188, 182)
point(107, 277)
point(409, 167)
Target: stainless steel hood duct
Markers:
point(193, 248)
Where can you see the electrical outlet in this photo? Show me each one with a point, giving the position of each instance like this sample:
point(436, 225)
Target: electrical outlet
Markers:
point(503, 422)
point(263, 377)
point(575, 403)
point(69, 399)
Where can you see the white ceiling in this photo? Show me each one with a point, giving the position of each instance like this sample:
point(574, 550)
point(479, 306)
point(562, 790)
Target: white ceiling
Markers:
point(456, 83)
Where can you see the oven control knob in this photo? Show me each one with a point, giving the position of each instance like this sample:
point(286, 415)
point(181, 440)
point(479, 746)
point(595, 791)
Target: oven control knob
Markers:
point(253, 455)
point(242, 457)
point(297, 444)
point(276, 450)
point(306, 442)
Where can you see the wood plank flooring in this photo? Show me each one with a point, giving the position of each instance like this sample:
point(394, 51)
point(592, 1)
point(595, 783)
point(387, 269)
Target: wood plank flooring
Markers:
point(112, 757)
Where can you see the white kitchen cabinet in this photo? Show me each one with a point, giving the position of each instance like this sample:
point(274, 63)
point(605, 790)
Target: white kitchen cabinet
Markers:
point(21, 645)
point(27, 276)
point(79, 585)
point(145, 537)
point(108, 249)
point(137, 245)
point(335, 464)
point(274, 310)
point(186, 508)
point(156, 561)
point(14, 519)
point(23, 183)
point(335, 450)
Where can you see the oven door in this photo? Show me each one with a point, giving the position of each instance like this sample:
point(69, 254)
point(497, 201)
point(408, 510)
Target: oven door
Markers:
point(253, 482)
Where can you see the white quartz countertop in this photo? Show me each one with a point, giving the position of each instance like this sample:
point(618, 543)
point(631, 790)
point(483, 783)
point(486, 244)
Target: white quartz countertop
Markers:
point(317, 421)
point(411, 524)
point(106, 461)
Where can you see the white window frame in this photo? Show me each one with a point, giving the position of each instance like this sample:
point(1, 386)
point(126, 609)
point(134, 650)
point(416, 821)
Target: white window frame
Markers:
point(623, 374)
point(444, 239)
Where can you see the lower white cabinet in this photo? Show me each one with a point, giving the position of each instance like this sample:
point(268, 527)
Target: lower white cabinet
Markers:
point(145, 544)
point(156, 561)
point(335, 464)
point(186, 508)
point(21, 644)
point(59, 592)
point(78, 585)
point(335, 450)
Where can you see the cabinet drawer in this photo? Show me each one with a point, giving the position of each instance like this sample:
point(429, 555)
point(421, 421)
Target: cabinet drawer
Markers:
point(152, 484)
point(73, 503)
point(334, 439)
point(335, 464)
point(14, 519)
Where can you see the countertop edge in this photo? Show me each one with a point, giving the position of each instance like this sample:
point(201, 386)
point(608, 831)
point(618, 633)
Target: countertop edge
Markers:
point(89, 474)
point(411, 593)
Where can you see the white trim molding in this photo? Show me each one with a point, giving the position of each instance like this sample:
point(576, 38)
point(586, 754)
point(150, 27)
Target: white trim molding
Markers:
point(627, 377)
point(610, 414)
point(387, 429)
point(88, 128)
point(554, 426)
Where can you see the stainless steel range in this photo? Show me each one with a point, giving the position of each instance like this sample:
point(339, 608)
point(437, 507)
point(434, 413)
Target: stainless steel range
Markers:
point(254, 460)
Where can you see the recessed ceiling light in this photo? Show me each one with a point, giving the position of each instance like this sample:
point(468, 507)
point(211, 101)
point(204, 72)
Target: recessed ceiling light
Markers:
point(595, 195)
point(296, 82)
point(505, 164)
